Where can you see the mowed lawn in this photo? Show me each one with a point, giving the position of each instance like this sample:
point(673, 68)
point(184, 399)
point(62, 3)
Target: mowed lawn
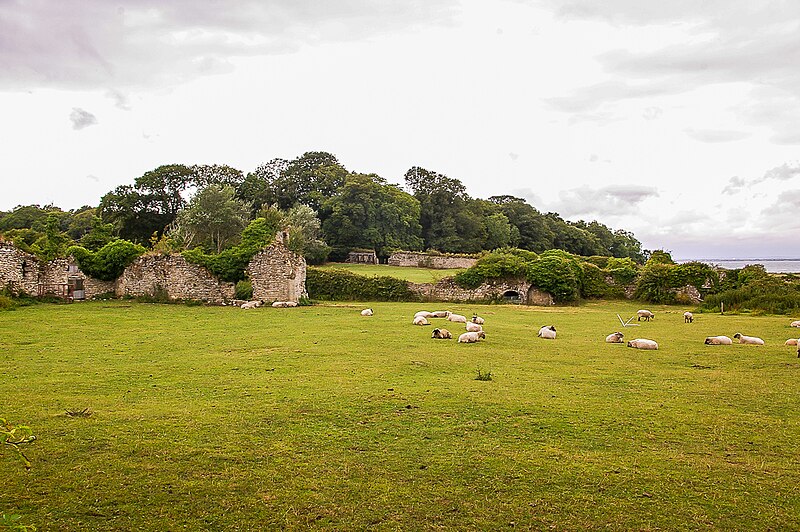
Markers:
point(415, 275)
point(214, 418)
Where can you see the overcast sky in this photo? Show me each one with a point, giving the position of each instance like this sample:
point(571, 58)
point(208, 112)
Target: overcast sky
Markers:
point(679, 121)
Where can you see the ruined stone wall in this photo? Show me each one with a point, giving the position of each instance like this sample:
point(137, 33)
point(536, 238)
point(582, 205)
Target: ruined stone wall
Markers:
point(61, 271)
point(149, 275)
point(277, 274)
point(447, 290)
point(19, 271)
point(425, 260)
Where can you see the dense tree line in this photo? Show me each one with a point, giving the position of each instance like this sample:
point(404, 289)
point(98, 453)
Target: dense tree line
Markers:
point(327, 209)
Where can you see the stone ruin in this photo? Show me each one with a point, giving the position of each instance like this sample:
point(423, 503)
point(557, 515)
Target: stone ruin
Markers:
point(276, 273)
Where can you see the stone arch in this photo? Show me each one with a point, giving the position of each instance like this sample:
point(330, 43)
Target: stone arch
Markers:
point(512, 296)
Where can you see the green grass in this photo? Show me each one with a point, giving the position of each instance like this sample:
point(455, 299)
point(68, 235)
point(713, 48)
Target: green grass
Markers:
point(213, 418)
point(416, 275)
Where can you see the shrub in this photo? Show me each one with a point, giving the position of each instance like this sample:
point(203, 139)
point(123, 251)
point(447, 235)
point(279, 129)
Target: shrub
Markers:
point(505, 262)
point(342, 285)
point(6, 303)
point(108, 262)
point(655, 283)
point(244, 290)
point(691, 273)
point(593, 282)
point(623, 271)
point(557, 272)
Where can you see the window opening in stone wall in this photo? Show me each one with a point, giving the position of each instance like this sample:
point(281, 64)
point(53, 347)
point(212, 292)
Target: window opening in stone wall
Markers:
point(512, 296)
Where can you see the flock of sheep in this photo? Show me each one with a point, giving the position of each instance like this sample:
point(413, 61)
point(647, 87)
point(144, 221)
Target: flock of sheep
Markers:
point(474, 330)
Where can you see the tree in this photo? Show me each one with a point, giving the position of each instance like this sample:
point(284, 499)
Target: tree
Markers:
point(305, 234)
point(534, 233)
point(132, 214)
point(53, 243)
point(309, 180)
point(163, 187)
point(213, 219)
point(216, 174)
point(369, 213)
point(260, 187)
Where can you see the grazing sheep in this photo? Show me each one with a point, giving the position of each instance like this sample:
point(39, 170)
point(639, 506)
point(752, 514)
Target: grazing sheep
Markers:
point(456, 318)
point(646, 314)
point(250, 305)
point(688, 317)
point(440, 313)
point(548, 332)
point(749, 340)
point(791, 341)
point(424, 313)
point(473, 327)
point(615, 338)
point(477, 319)
point(471, 337)
point(642, 343)
point(284, 304)
point(441, 334)
point(366, 312)
point(718, 340)
point(795, 324)
point(420, 320)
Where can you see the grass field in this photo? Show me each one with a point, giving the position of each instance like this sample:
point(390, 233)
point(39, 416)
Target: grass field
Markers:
point(213, 418)
point(415, 275)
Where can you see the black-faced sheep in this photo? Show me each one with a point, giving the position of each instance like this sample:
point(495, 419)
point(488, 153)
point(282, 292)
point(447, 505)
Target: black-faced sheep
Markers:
point(615, 338)
point(548, 332)
point(471, 337)
point(477, 319)
point(795, 324)
point(643, 343)
point(688, 317)
point(441, 334)
point(749, 340)
point(646, 314)
point(718, 340)
point(791, 341)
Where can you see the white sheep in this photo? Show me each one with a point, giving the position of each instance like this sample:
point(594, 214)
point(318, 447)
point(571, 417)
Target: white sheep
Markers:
point(441, 334)
point(795, 324)
point(473, 327)
point(548, 332)
point(646, 314)
point(456, 318)
point(238, 302)
point(420, 320)
point(749, 340)
point(477, 319)
point(250, 305)
point(367, 312)
point(718, 340)
point(284, 304)
point(643, 343)
point(424, 313)
point(614, 338)
point(688, 317)
point(471, 337)
point(791, 341)
point(440, 313)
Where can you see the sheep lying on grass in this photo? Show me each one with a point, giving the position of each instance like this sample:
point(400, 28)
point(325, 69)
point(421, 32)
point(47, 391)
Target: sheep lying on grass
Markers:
point(646, 314)
point(284, 304)
point(471, 337)
point(548, 332)
point(791, 341)
point(420, 320)
point(424, 313)
point(795, 324)
point(440, 313)
point(614, 338)
point(643, 343)
point(366, 312)
point(441, 334)
point(749, 340)
point(477, 319)
point(456, 318)
point(718, 340)
point(473, 327)
point(251, 305)
point(688, 317)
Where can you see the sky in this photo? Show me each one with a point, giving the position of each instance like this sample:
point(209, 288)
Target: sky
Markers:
point(678, 121)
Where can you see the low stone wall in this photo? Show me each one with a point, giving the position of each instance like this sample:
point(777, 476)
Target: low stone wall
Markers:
point(19, 271)
point(510, 289)
point(425, 260)
point(66, 272)
point(149, 275)
point(277, 274)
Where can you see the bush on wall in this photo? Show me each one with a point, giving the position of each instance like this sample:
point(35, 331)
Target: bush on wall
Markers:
point(342, 285)
point(109, 261)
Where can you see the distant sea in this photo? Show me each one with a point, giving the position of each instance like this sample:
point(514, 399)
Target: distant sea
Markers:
point(771, 265)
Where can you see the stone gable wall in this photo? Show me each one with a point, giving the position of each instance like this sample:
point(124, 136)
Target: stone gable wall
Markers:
point(150, 274)
point(18, 270)
point(277, 274)
point(425, 260)
point(57, 272)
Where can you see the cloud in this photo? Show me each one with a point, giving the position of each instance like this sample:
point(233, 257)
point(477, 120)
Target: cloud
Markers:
point(783, 172)
point(81, 118)
point(513, 156)
point(735, 184)
point(715, 136)
point(782, 214)
point(652, 113)
point(120, 100)
point(149, 43)
point(727, 42)
point(608, 200)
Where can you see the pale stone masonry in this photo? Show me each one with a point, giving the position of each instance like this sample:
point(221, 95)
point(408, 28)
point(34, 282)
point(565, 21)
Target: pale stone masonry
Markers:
point(426, 260)
point(19, 271)
point(173, 276)
point(517, 290)
point(277, 273)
